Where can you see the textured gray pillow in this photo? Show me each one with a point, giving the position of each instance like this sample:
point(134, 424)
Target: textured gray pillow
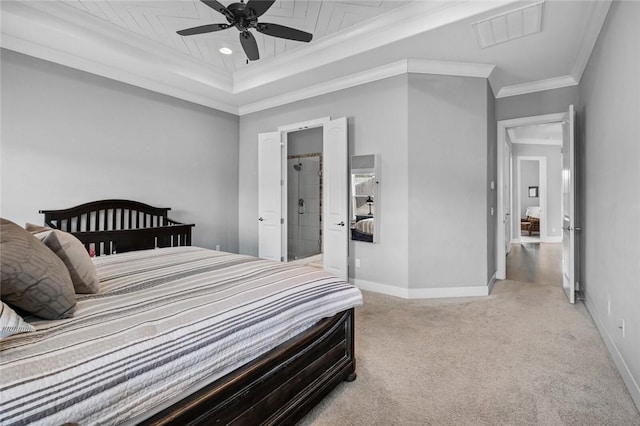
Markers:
point(75, 257)
point(12, 323)
point(34, 229)
point(33, 277)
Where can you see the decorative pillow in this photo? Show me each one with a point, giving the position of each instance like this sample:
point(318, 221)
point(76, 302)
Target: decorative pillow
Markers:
point(34, 229)
point(12, 323)
point(33, 277)
point(75, 257)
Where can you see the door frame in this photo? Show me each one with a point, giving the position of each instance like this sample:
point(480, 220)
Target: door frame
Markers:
point(542, 193)
point(503, 126)
point(284, 131)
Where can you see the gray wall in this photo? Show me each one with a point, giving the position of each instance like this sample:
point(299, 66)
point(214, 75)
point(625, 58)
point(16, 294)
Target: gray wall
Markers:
point(539, 103)
point(492, 176)
point(69, 137)
point(304, 141)
point(554, 184)
point(609, 130)
point(377, 116)
point(447, 181)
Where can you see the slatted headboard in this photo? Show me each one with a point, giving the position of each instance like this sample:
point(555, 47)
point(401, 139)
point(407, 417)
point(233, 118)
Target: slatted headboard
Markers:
point(110, 226)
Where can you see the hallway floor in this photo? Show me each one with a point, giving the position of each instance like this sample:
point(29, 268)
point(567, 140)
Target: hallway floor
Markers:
point(535, 263)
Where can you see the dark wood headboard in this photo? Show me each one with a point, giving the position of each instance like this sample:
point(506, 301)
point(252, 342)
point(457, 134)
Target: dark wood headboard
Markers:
point(111, 226)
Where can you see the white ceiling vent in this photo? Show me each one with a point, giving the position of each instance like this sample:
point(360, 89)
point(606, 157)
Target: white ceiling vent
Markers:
point(509, 25)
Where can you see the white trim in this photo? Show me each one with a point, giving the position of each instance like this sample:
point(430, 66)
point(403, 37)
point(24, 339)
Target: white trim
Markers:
point(318, 122)
point(389, 290)
point(424, 293)
point(442, 292)
point(491, 283)
point(537, 119)
point(459, 69)
point(537, 86)
point(593, 26)
point(404, 66)
point(618, 359)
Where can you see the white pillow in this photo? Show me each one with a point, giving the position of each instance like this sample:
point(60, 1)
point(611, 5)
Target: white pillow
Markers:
point(12, 323)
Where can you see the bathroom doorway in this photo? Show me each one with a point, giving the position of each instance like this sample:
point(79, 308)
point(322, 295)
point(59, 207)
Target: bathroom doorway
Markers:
point(304, 196)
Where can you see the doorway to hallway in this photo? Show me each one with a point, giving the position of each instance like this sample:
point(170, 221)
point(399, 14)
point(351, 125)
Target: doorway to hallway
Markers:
point(535, 263)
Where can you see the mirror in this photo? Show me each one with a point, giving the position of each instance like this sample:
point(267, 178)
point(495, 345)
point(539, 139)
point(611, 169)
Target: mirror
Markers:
point(365, 202)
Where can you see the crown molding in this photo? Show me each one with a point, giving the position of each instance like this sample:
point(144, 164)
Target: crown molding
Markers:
point(459, 69)
point(385, 29)
point(598, 15)
point(537, 86)
point(70, 38)
point(405, 66)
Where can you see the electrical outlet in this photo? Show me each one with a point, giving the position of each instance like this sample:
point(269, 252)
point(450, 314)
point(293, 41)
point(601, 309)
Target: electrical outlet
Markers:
point(218, 247)
point(357, 263)
point(609, 307)
point(621, 326)
point(491, 211)
point(553, 230)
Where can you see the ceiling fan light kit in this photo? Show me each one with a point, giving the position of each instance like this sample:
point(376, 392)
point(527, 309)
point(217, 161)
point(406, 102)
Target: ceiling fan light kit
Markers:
point(244, 16)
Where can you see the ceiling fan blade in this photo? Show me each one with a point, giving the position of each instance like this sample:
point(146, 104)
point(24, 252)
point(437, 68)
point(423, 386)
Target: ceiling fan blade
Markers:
point(281, 31)
point(260, 6)
point(203, 29)
point(249, 45)
point(217, 6)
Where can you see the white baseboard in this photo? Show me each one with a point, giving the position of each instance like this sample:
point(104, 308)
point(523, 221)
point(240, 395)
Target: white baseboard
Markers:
point(557, 239)
point(424, 293)
point(623, 369)
point(387, 289)
point(492, 281)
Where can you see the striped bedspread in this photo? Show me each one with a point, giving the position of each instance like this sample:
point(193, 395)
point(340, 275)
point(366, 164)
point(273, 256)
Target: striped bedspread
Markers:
point(165, 320)
point(365, 226)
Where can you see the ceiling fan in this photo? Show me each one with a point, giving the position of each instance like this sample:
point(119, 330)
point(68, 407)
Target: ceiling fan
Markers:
point(244, 17)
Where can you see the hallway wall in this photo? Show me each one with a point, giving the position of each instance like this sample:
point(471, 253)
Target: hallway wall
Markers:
point(610, 159)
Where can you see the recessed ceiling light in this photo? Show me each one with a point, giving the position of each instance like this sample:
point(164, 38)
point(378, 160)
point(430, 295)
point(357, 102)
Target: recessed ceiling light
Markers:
point(226, 51)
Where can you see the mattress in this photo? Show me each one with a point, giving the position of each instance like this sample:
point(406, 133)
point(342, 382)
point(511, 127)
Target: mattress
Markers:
point(165, 319)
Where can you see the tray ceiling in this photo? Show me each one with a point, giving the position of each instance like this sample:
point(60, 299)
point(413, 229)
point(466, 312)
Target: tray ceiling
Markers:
point(355, 42)
point(159, 21)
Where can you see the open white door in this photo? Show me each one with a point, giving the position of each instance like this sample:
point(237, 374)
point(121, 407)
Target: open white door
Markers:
point(270, 196)
point(569, 215)
point(335, 229)
point(506, 187)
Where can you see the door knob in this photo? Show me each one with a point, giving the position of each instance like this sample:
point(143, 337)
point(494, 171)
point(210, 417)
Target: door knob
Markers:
point(260, 219)
point(340, 224)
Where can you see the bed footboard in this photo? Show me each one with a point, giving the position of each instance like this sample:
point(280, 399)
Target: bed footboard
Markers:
point(277, 388)
point(117, 226)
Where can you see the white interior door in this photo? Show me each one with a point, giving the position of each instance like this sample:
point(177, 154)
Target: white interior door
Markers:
point(335, 219)
point(569, 214)
point(270, 196)
point(506, 214)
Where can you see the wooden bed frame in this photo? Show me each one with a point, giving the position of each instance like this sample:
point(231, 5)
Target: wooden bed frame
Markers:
point(279, 387)
point(120, 226)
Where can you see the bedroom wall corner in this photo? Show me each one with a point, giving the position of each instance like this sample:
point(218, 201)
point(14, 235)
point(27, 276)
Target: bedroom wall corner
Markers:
point(70, 137)
point(448, 170)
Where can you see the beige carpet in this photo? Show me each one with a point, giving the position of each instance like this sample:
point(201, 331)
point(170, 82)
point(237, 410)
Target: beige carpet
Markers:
point(522, 356)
